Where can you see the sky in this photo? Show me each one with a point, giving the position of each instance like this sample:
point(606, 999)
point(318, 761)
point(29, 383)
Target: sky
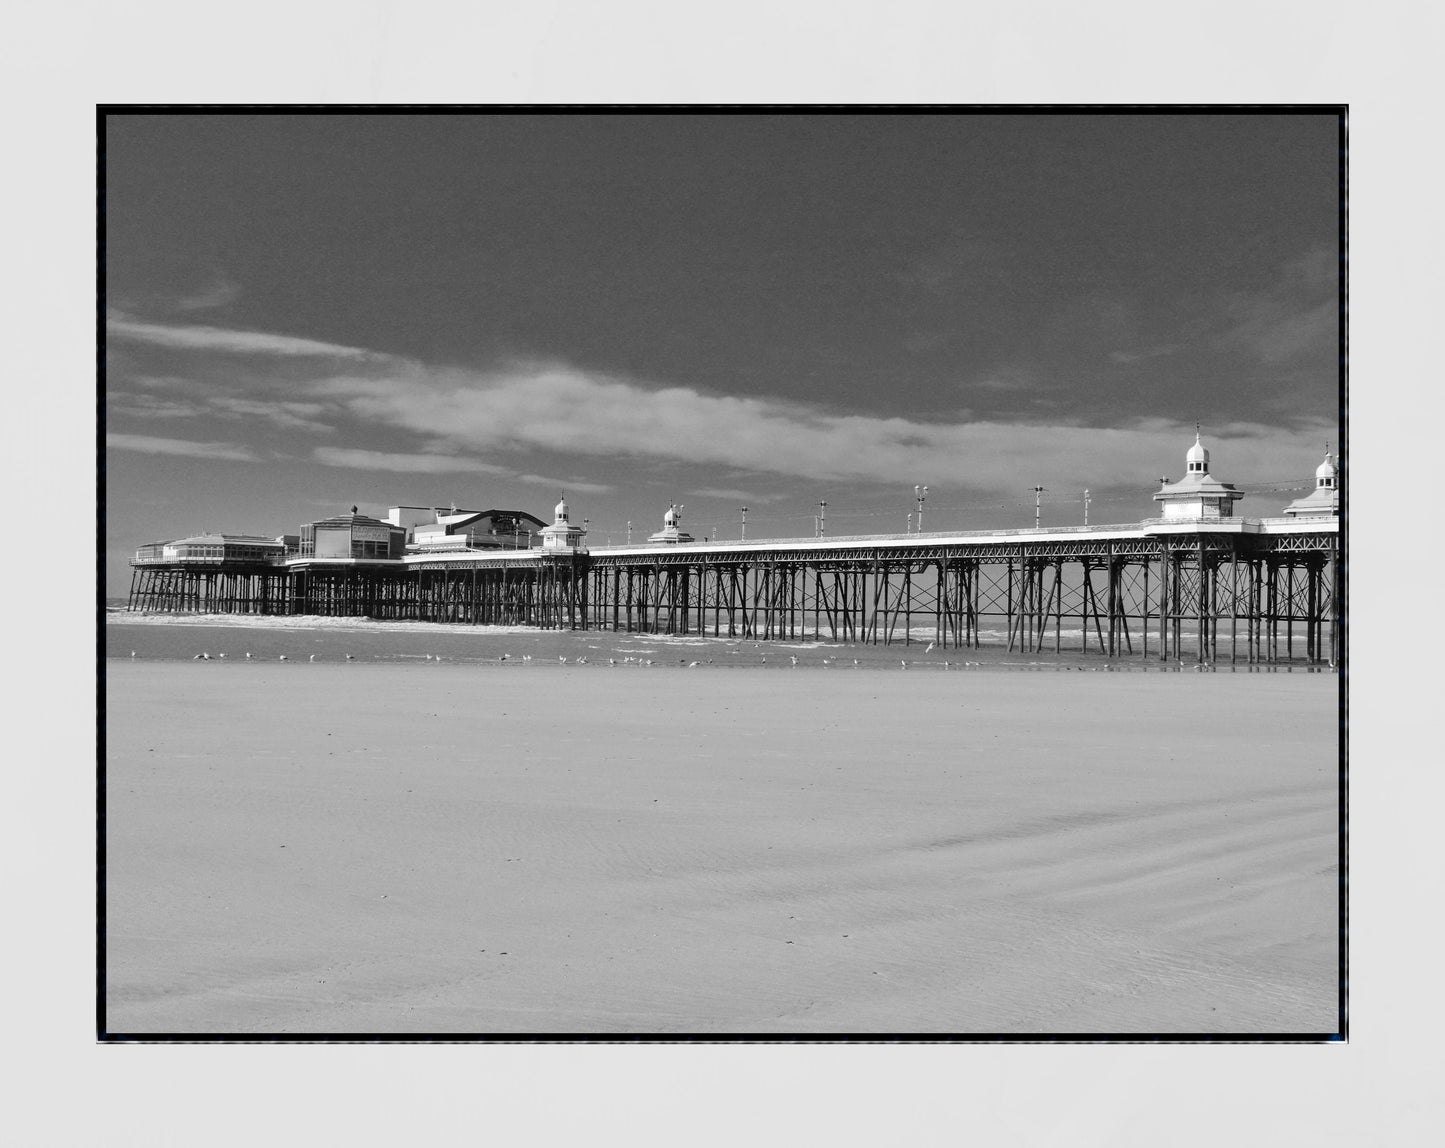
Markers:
point(309, 312)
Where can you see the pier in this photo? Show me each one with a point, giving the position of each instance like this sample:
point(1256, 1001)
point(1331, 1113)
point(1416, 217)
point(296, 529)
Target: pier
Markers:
point(1236, 589)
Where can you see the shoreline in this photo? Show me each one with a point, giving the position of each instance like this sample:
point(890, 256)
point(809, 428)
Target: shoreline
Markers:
point(182, 637)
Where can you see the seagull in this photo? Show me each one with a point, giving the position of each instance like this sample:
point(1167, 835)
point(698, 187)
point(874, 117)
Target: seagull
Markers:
point(132, 653)
point(284, 658)
point(793, 658)
point(691, 664)
point(349, 658)
point(198, 657)
point(312, 658)
point(902, 663)
point(428, 657)
point(248, 655)
point(220, 655)
point(561, 659)
point(611, 661)
point(855, 661)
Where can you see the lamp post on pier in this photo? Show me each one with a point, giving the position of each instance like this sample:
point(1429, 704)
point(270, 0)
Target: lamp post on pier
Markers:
point(1086, 506)
point(822, 519)
point(920, 493)
point(1038, 501)
point(744, 537)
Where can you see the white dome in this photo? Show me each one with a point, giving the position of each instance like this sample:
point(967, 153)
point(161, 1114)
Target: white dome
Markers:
point(670, 518)
point(561, 511)
point(1326, 469)
point(1197, 453)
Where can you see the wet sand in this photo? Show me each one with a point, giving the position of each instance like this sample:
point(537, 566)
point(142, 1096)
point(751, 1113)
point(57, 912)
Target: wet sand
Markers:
point(299, 848)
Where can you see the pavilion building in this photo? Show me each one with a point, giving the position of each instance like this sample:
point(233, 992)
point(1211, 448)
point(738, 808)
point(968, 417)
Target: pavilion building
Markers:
point(563, 534)
point(672, 531)
point(477, 530)
point(352, 536)
point(1325, 498)
point(1198, 494)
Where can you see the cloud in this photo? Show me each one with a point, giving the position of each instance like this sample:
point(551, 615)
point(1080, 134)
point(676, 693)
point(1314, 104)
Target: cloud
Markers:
point(1007, 379)
point(1296, 318)
point(218, 293)
point(575, 485)
point(291, 415)
point(226, 340)
point(459, 416)
point(733, 495)
point(151, 407)
point(564, 409)
point(962, 263)
point(1146, 353)
point(404, 463)
point(145, 444)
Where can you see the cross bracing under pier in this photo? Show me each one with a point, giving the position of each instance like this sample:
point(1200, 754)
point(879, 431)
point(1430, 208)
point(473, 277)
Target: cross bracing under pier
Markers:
point(1254, 590)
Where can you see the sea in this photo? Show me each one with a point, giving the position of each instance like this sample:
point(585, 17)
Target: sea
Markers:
point(230, 638)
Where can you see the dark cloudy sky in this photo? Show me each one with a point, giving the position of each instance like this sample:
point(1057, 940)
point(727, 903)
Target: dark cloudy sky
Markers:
point(306, 312)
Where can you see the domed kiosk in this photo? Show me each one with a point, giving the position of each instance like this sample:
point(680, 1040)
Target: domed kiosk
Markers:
point(672, 531)
point(1325, 498)
point(1198, 494)
point(562, 534)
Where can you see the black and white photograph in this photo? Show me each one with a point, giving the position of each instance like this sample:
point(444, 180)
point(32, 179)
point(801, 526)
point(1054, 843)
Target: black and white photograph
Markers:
point(816, 573)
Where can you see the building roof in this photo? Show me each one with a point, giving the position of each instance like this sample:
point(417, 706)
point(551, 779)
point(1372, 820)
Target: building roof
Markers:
point(218, 539)
point(354, 519)
point(1195, 486)
point(1321, 500)
point(467, 517)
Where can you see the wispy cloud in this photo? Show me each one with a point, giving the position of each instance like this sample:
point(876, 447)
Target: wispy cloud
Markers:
point(1006, 379)
point(576, 485)
point(218, 293)
point(733, 495)
point(1144, 353)
point(402, 463)
point(145, 444)
point(291, 415)
point(1298, 316)
point(963, 262)
point(151, 407)
point(431, 462)
point(226, 340)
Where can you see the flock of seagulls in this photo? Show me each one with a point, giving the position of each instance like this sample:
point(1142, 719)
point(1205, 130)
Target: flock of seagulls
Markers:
point(205, 656)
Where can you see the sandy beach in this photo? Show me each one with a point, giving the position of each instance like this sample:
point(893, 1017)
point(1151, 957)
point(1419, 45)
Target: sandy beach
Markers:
point(299, 848)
